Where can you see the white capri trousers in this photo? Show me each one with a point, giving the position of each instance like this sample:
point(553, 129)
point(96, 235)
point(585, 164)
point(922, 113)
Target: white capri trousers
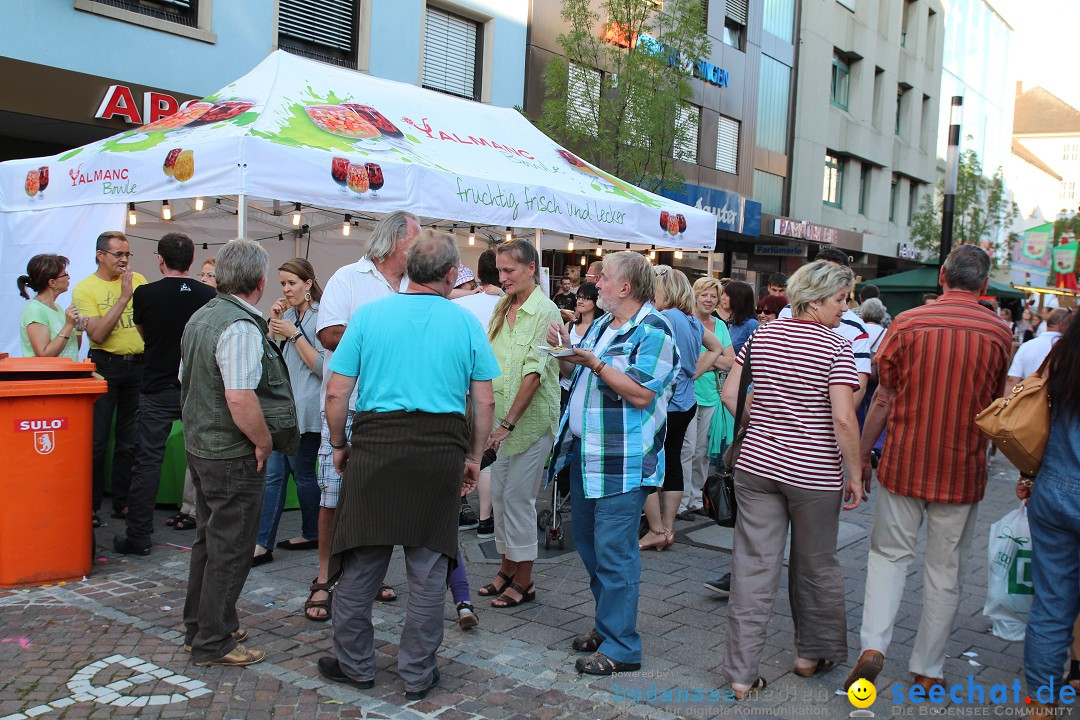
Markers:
point(515, 481)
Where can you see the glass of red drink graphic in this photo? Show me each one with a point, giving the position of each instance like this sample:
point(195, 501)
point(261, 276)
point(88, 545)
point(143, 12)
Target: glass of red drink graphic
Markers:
point(682, 222)
point(375, 178)
point(339, 171)
point(169, 166)
point(43, 179)
point(664, 219)
point(377, 119)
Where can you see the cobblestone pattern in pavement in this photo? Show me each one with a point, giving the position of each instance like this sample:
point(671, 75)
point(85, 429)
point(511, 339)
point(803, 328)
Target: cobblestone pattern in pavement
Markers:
point(516, 665)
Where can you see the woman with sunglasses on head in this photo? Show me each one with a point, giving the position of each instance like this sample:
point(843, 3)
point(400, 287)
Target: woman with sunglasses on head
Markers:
point(44, 329)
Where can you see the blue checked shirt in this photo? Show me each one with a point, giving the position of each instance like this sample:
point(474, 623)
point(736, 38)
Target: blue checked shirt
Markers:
point(622, 447)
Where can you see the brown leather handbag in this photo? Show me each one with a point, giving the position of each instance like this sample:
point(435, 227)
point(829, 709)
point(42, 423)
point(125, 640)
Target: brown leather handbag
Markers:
point(1019, 423)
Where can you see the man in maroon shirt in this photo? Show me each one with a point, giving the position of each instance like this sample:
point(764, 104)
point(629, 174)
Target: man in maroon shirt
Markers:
point(938, 366)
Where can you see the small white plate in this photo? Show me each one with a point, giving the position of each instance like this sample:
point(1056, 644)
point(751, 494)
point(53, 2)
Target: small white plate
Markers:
point(556, 352)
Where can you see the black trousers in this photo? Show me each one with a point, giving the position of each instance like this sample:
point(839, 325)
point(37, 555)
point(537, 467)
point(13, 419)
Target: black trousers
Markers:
point(124, 379)
point(677, 423)
point(157, 412)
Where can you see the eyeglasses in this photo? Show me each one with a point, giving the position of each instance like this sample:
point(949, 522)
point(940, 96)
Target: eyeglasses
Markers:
point(61, 276)
point(583, 297)
point(118, 255)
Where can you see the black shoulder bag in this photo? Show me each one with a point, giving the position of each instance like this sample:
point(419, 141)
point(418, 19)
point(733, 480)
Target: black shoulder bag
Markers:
point(718, 495)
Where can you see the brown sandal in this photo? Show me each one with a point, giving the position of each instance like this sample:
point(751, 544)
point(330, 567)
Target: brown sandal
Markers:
point(491, 590)
point(318, 604)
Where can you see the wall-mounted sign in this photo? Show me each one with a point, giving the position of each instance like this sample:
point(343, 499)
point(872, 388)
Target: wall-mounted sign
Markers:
point(620, 35)
point(906, 251)
point(780, 251)
point(120, 102)
point(699, 68)
point(804, 231)
point(733, 212)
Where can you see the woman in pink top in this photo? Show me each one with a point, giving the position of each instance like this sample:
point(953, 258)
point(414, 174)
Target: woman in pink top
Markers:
point(801, 437)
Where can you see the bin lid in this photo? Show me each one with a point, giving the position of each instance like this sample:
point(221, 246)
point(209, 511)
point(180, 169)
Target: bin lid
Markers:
point(48, 376)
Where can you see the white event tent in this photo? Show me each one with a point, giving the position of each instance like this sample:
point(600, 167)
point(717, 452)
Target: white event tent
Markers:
point(337, 142)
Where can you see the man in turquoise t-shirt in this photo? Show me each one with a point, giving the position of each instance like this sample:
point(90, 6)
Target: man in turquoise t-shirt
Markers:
point(416, 356)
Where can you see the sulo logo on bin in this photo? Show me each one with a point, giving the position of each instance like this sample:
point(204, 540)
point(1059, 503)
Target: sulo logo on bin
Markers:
point(44, 430)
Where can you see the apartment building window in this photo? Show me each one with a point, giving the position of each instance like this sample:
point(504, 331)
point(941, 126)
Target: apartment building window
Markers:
point(907, 12)
point(879, 98)
point(913, 202)
point(583, 98)
point(727, 145)
point(1070, 150)
point(735, 23)
point(182, 12)
point(769, 191)
point(931, 26)
point(705, 14)
point(833, 189)
point(452, 54)
point(841, 77)
point(323, 30)
point(774, 105)
point(1068, 190)
point(901, 91)
point(893, 189)
point(925, 125)
point(779, 19)
point(864, 187)
point(687, 124)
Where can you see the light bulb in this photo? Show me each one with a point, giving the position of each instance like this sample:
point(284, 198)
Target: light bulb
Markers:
point(570, 244)
point(472, 234)
point(198, 204)
point(296, 215)
point(132, 219)
point(652, 253)
point(599, 251)
point(166, 211)
point(509, 234)
point(346, 227)
point(582, 261)
point(678, 254)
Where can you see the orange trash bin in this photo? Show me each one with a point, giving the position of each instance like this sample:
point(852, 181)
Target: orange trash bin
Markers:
point(47, 434)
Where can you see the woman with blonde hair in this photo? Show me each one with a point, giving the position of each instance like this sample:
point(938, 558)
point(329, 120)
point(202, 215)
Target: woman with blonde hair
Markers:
point(710, 420)
point(527, 411)
point(675, 300)
point(801, 437)
point(293, 317)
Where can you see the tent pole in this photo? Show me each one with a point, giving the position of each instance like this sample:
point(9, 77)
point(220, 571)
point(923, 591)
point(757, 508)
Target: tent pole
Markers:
point(708, 270)
point(241, 215)
point(297, 247)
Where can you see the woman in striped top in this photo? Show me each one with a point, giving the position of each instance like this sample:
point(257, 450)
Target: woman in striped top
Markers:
point(802, 436)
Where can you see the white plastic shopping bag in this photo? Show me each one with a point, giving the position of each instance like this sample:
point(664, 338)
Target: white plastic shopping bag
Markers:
point(1009, 589)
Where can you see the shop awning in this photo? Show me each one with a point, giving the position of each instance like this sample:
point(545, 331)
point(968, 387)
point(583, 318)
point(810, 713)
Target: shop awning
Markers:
point(296, 130)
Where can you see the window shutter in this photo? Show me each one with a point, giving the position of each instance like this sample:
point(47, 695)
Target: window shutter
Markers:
point(727, 145)
point(687, 149)
point(736, 10)
point(705, 13)
point(450, 54)
point(329, 23)
point(583, 97)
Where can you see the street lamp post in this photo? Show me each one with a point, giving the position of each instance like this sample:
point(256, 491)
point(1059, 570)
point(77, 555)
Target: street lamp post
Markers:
point(952, 171)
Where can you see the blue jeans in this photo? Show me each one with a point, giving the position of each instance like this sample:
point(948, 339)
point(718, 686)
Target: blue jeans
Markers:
point(1054, 517)
point(459, 581)
point(606, 536)
point(302, 467)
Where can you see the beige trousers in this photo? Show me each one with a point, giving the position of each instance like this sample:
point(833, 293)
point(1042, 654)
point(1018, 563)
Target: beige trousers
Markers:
point(515, 481)
point(897, 520)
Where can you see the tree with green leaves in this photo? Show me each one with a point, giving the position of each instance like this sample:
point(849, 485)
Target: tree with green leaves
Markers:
point(615, 95)
point(983, 212)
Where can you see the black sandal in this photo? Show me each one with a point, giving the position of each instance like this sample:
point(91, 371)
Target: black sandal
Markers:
point(185, 523)
point(491, 590)
point(589, 642)
point(600, 664)
point(173, 519)
point(318, 604)
point(505, 601)
point(386, 594)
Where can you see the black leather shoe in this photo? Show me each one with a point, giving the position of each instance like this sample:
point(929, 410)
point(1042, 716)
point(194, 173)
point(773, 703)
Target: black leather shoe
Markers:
point(123, 545)
point(721, 587)
point(266, 557)
point(421, 694)
point(330, 669)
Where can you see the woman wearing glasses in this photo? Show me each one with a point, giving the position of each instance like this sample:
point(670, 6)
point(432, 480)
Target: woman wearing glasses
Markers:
point(45, 330)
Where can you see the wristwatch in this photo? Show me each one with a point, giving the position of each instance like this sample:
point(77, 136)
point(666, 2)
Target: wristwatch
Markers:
point(342, 446)
point(508, 426)
point(296, 337)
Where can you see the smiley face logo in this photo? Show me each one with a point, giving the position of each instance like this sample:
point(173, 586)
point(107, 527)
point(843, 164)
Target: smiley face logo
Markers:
point(862, 693)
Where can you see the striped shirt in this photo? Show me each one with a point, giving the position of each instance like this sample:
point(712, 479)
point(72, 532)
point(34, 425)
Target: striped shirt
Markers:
point(946, 361)
point(239, 352)
point(622, 447)
point(791, 438)
point(853, 330)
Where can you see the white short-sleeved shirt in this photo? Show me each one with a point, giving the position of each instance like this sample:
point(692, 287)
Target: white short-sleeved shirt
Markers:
point(851, 328)
point(348, 289)
point(480, 304)
point(1031, 354)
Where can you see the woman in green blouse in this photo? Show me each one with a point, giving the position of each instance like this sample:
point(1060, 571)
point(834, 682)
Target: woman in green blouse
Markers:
point(44, 329)
point(526, 413)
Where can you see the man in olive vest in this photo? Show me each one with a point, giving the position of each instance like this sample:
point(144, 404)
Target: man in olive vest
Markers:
point(237, 406)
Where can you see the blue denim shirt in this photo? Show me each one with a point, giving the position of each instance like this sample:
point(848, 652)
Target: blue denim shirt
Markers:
point(1062, 457)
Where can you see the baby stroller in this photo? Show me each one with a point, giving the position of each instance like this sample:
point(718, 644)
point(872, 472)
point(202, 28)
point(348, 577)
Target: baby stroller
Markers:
point(550, 521)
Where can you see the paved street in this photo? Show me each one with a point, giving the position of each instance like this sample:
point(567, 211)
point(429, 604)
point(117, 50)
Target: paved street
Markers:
point(110, 646)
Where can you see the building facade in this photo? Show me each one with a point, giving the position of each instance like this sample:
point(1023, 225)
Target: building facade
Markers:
point(865, 128)
point(1046, 135)
point(75, 71)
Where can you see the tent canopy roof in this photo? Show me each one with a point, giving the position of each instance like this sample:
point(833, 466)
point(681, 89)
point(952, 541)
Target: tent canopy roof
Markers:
point(302, 131)
point(925, 279)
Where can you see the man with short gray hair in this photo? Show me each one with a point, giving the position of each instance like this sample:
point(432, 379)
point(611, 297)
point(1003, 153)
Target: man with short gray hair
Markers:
point(407, 460)
point(611, 437)
point(379, 272)
point(934, 460)
point(237, 406)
